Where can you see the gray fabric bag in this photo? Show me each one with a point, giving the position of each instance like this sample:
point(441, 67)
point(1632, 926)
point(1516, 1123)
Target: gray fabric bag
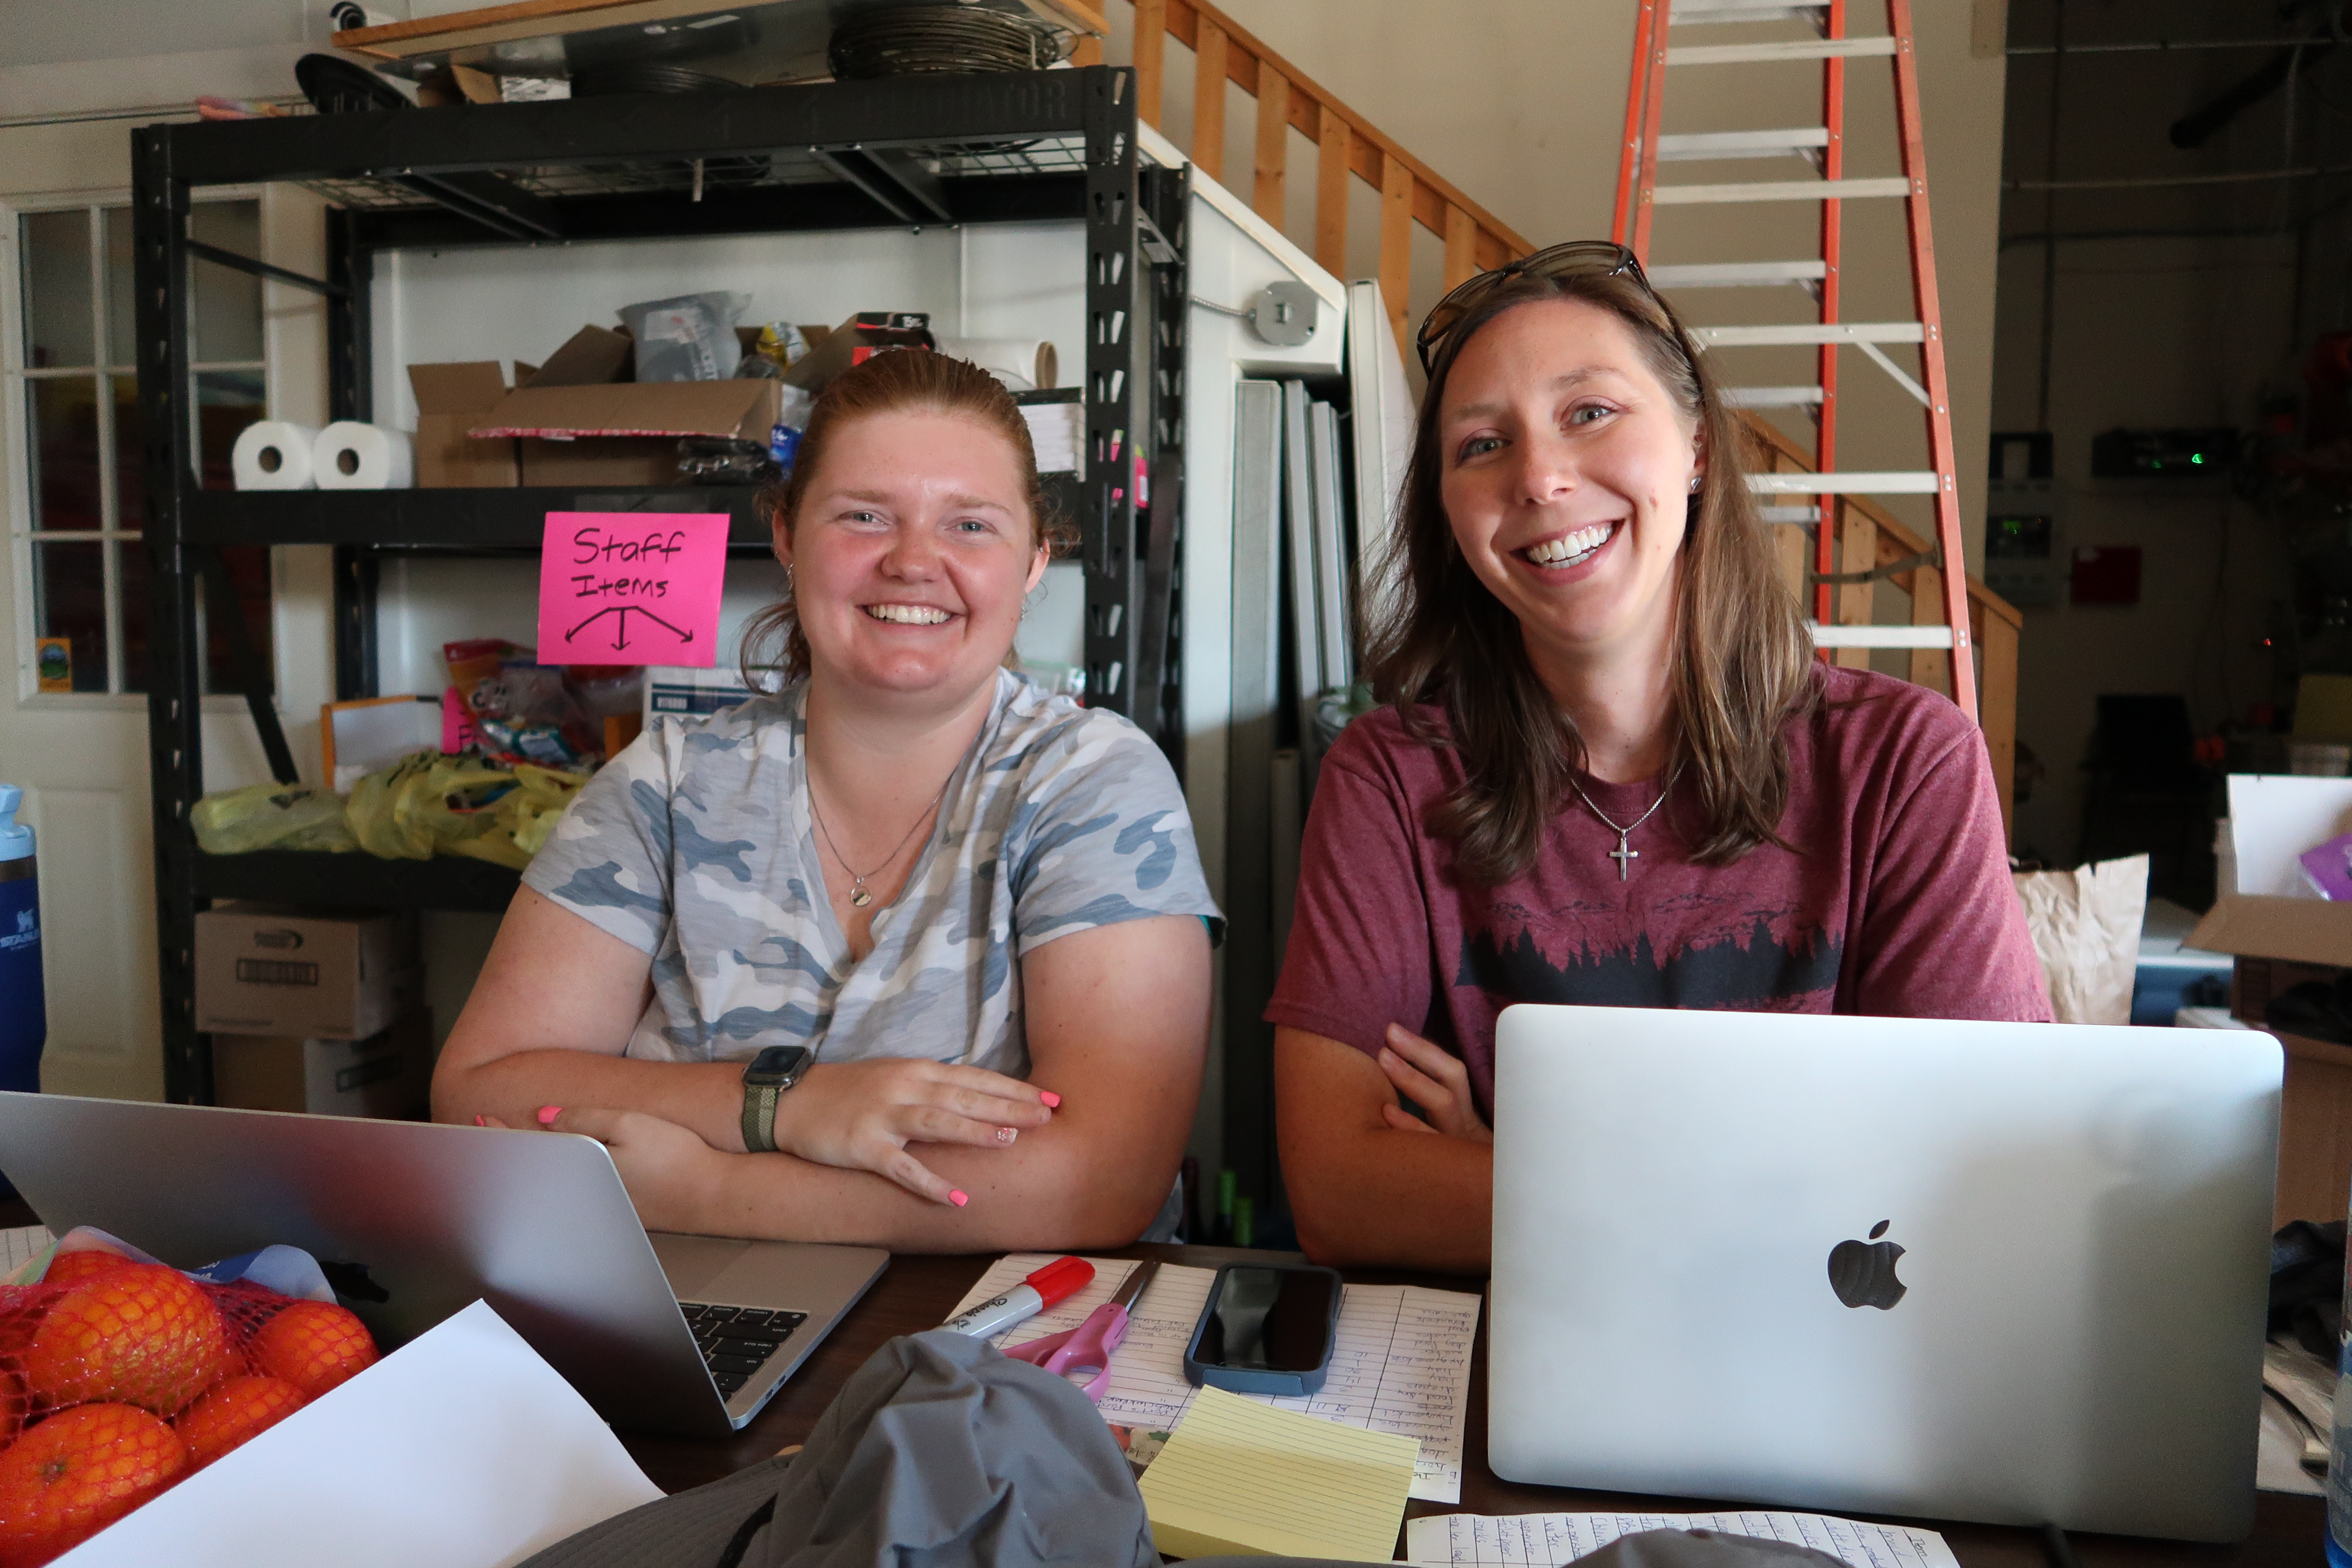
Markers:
point(942, 1453)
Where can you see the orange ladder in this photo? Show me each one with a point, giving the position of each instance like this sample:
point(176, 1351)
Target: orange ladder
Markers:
point(1824, 145)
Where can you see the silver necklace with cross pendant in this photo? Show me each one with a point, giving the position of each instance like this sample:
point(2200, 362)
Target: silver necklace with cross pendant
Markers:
point(1622, 854)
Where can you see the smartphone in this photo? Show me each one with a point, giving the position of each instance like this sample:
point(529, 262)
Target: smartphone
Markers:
point(1266, 1329)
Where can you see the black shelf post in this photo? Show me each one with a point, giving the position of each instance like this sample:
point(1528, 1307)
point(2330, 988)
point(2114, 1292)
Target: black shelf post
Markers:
point(1045, 145)
point(159, 226)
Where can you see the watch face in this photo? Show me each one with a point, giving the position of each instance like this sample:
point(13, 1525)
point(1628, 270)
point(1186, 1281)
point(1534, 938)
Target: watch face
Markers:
point(776, 1065)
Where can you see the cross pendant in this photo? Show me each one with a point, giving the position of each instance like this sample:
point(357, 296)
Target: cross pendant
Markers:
point(1623, 857)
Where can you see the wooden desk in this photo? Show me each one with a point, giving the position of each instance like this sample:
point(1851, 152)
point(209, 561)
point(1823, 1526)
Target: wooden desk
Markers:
point(917, 1293)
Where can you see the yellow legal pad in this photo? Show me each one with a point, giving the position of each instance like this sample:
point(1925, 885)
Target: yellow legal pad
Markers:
point(1241, 1478)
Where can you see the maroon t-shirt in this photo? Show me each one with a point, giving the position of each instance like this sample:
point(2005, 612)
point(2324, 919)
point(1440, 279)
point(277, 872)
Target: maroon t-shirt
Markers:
point(1895, 898)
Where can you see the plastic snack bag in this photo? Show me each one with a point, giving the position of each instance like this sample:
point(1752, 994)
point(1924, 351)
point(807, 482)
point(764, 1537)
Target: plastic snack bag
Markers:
point(270, 816)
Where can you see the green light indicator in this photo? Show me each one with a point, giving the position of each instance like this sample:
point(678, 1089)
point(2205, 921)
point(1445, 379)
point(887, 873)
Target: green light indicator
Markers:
point(2196, 456)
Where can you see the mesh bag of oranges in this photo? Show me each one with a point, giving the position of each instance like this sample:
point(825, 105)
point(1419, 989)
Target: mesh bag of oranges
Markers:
point(120, 1377)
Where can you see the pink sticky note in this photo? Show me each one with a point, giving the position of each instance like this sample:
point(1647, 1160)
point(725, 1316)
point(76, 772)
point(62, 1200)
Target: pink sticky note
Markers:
point(631, 587)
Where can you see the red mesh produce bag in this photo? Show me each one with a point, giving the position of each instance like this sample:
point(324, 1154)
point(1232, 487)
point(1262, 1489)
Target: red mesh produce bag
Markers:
point(119, 1378)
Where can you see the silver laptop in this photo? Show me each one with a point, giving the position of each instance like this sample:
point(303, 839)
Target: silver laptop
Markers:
point(412, 1221)
point(2009, 1272)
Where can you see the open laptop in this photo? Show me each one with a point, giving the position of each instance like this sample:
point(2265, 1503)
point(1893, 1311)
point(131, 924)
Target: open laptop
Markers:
point(2009, 1272)
point(413, 1221)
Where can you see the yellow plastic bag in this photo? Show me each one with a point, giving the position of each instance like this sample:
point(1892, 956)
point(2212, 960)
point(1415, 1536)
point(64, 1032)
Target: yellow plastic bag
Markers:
point(430, 804)
point(270, 816)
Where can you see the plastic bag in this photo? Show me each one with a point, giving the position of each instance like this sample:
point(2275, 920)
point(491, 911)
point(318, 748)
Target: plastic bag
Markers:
point(689, 338)
point(523, 711)
point(114, 1364)
point(430, 804)
point(270, 816)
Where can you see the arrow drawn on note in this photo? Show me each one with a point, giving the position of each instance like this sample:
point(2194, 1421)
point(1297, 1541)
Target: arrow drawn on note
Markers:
point(621, 624)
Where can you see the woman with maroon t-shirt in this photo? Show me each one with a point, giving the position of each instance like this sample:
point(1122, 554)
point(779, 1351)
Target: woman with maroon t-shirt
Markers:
point(1611, 771)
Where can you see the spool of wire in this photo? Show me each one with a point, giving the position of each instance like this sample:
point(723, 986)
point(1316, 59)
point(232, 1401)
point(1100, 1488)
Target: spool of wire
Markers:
point(918, 40)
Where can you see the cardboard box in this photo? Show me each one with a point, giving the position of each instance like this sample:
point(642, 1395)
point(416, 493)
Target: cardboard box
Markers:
point(627, 433)
point(340, 975)
point(2267, 910)
point(449, 399)
point(386, 1075)
point(854, 341)
point(2314, 1168)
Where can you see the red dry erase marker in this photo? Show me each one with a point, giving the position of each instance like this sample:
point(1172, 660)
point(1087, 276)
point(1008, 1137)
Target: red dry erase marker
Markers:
point(1057, 1281)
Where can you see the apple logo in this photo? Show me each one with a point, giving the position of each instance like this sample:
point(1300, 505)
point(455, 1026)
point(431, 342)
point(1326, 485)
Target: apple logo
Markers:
point(1862, 1272)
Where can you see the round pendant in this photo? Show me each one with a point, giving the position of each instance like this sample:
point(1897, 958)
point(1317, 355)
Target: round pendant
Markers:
point(860, 896)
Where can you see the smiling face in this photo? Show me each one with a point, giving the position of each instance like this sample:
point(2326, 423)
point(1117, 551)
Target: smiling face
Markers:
point(1566, 477)
point(911, 550)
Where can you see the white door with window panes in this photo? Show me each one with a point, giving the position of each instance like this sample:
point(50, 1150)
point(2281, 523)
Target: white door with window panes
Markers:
point(74, 580)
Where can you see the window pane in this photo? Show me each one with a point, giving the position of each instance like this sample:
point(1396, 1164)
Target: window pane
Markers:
point(57, 287)
point(226, 401)
point(121, 291)
point(227, 302)
point(130, 564)
point(129, 456)
point(248, 571)
point(64, 414)
point(70, 601)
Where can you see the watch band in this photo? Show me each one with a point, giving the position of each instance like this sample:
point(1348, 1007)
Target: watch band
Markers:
point(760, 1117)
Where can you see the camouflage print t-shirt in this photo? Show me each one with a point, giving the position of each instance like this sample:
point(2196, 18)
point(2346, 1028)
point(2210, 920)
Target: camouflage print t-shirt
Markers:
point(696, 845)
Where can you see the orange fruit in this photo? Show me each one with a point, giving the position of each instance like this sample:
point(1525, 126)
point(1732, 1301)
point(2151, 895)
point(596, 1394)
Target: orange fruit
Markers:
point(314, 1345)
point(231, 1412)
point(143, 1334)
point(73, 1268)
point(74, 1474)
point(16, 1404)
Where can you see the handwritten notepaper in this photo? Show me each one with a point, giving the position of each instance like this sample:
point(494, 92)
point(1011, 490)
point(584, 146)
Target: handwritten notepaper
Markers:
point(1547, 1539)
point(631, 587)
point(1240, 1478)
point(1401, 1364)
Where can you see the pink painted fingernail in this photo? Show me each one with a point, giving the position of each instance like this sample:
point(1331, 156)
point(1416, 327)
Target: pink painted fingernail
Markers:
point(1007, 1134)
point(1050, 1097)
point(548, 1113)
point(959, 1199)
point(479, 1123)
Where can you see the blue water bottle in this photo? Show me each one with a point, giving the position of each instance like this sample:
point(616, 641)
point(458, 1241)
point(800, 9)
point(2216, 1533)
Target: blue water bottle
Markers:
point(24, 1016)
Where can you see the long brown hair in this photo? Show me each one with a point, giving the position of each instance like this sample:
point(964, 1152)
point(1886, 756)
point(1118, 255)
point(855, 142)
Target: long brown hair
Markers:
point(902, 382)
point(1742, 662)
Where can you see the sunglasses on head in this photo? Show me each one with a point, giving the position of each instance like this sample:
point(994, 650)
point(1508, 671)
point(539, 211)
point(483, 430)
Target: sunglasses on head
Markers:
point(1578, 257)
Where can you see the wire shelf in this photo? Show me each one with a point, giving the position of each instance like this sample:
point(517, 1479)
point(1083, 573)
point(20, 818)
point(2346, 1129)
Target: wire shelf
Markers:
point(798, 166)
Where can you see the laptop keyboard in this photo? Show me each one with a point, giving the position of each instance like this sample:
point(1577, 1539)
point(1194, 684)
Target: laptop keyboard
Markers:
point(738, 1341)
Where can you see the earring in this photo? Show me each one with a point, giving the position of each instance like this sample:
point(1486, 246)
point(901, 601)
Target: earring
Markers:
point(1695, 482)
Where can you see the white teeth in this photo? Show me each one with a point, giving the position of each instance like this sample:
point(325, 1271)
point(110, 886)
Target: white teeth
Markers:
point(908, 615)
point(1559, 551)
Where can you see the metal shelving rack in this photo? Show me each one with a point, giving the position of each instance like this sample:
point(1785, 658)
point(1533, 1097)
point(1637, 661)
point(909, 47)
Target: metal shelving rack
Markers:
point(908, 152)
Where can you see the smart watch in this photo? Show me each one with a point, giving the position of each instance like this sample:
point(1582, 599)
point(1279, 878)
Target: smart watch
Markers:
point(765, 1079)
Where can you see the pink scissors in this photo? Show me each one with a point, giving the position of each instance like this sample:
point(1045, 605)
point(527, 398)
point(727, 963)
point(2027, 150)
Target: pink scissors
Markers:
point(1088, 1347)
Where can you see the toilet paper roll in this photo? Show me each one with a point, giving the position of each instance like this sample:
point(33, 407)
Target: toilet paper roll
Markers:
point(1023, 365)
point(273, 455)
point(350, 456)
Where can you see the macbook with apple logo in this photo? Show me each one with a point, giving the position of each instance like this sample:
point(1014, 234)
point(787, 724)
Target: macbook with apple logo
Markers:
point(2005, 1272)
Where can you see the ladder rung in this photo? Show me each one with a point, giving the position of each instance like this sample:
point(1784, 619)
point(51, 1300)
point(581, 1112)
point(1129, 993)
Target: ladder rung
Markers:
point(1748, 54)
point(1772, 397)
point(1923, 482)
point(1742, 143)
point(1811, 332)
point(1729, 10)
point(1780, 190)
point(1693, 12)
point(1738, 274)
point(1808, 515)
point(1879, 637)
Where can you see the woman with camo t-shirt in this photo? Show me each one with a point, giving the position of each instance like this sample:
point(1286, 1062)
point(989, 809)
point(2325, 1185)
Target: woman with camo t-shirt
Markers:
point(964, 918)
